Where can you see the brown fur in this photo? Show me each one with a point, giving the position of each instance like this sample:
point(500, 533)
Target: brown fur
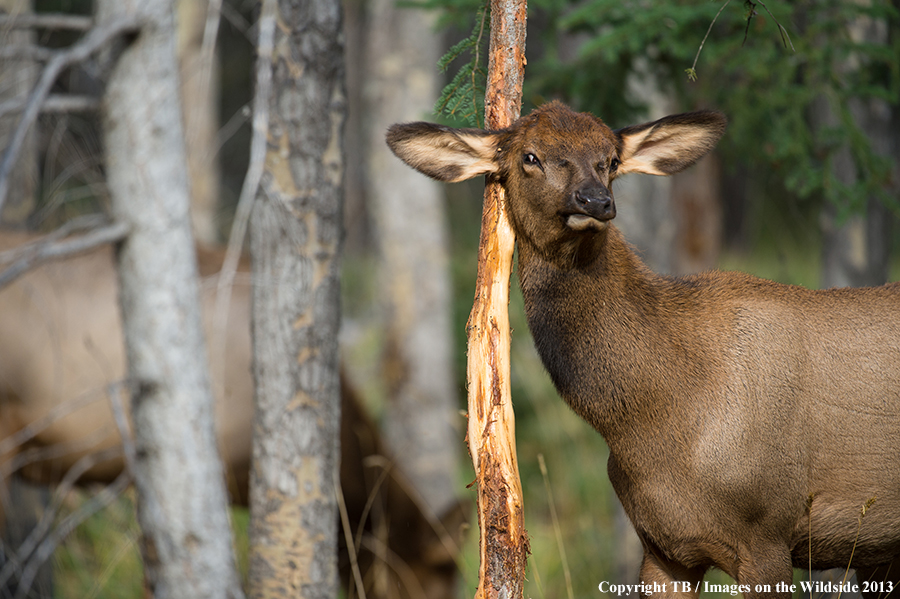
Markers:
point(748, 422)
point(61, 340)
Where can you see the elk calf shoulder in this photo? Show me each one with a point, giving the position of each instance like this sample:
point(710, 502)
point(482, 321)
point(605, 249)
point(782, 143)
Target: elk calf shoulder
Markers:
point(748, 422)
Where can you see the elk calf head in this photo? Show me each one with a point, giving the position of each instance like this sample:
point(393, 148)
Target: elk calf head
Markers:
point(557, 165)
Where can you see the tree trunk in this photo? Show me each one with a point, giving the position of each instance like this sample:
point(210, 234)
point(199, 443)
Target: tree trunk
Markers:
point(491, 429)
point(182, 502)
point(414, 267)
point(17, 77)
point(856, 249)
point(295, 242)
point(200, 82)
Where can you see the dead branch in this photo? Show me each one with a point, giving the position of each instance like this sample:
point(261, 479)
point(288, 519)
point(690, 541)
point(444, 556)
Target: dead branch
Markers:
point(53, 103)
point(46, 21)
point(40, 532)
point(255, 169)
point(33, 255)
point(491, 428)
point(96, 503)
point(98, 37)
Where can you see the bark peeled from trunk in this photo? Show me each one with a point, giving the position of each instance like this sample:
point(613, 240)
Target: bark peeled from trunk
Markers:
point(295, 242)
point(414, 277)
point(491, 435)
point(181, 497)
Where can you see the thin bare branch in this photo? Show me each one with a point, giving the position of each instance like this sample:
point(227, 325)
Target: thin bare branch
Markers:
point(39, 53)
point(58, 412)
point(96, 503)
point(97, 38)
point(54, 103)
point(35, 255)
point(692, 72)
point(785, 38)
point(352, 548)
point(255, 170)
point(40, 532)
point(46, 21)
point(115, 392)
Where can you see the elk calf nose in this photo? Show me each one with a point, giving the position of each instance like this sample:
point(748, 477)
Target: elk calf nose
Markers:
point(596, 203)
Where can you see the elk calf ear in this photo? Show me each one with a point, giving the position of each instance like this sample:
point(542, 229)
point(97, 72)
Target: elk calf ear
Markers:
point(443, 153)
point(669, 145)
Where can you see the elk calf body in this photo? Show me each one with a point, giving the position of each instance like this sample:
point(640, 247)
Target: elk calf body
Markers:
point(748, 422)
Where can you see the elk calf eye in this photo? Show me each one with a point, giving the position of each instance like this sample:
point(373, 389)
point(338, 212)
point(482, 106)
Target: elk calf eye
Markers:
point(531, 160)
point(613, 165)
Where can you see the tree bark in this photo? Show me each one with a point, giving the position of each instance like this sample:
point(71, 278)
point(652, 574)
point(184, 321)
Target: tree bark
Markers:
point(491, 429)
point(295, 242)
point(18, 75)
point(856, 249)
point(414, 275)
point(182, 502)
point(200, 82)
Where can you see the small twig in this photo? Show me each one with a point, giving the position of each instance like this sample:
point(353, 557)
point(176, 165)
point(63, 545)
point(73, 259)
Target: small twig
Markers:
point(60, 411)
point(98, 37)
point(115, 392)
point(485, 11)
point(750, 14)
point(208, 46)
point(53, 103)
point(352, 550)
point(39, 53)
point(47, 21)
point(33, 541)
point(96, 503)
point(692, 72)
point(56, 451)
point(255, 170)
point(36, 255)
point(862, 514)
point(556, 527)
point(785, 37)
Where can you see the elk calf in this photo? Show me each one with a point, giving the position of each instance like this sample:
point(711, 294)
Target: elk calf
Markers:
point(748, 422)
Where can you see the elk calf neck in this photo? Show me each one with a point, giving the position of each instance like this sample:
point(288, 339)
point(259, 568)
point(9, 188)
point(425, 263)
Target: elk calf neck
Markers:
point(748, 422)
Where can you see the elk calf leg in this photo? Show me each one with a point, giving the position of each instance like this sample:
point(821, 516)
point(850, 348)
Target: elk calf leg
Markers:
point(766, 572)
point(677, 581)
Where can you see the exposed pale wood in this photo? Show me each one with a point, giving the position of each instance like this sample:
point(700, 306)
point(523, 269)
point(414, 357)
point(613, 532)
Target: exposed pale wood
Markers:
point(491, 435)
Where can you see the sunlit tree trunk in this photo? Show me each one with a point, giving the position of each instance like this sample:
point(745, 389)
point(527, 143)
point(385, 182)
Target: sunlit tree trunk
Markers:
point(295, 242)
point(181, 497)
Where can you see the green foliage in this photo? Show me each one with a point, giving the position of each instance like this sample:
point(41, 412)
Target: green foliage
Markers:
point(789, 91)
point(793, 78)
point(463, 98)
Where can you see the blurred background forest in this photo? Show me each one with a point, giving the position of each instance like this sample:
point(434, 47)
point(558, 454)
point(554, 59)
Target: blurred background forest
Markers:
point(803, 189)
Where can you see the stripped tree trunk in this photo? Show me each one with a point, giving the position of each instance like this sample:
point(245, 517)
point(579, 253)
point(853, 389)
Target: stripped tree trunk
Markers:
point(295, 242)
point(182, 502)
point(491, 435)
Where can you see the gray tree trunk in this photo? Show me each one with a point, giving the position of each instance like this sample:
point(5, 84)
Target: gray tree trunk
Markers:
point(401, 85)
point(295, 243)
point(17, 76)
point(856, 250)
point(182, 502)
